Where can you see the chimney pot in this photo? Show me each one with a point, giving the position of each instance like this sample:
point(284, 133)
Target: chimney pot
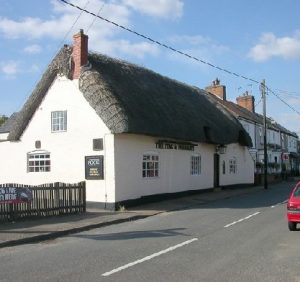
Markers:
point(246, 101)
point(217, 89)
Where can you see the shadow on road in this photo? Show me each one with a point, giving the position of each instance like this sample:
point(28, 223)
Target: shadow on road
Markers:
point(241, 198)
point(134, 234)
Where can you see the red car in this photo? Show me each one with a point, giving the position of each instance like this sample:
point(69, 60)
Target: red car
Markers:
point(293, 208)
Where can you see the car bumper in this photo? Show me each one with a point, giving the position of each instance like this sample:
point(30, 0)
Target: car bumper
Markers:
point(293, 216)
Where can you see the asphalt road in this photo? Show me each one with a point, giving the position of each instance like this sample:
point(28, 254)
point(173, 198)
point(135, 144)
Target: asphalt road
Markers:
point(244, 238)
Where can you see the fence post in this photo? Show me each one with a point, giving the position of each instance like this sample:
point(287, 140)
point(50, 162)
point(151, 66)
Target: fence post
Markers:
point(84, 195)
point(11, 212)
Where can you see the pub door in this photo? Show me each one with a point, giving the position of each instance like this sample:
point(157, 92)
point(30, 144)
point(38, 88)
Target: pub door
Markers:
point(216, 170)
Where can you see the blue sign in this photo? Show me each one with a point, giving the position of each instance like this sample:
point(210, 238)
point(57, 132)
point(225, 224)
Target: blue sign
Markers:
point(15, 195)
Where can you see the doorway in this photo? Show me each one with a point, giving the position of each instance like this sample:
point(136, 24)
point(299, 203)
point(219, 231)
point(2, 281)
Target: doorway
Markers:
point(216, 170)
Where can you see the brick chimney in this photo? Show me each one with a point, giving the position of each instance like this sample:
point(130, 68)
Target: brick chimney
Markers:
point(217, 89)
point(80, 53)
point(246, 101)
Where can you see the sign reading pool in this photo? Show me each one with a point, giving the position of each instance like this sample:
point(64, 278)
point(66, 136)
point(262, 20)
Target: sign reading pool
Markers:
point(94, 167)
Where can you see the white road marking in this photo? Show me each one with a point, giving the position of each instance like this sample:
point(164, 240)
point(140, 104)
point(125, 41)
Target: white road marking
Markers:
point(278, 204)
point(242, 219)
point(149, 257)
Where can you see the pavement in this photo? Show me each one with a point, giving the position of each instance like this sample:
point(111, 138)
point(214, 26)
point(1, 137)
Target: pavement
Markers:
point(37, 230)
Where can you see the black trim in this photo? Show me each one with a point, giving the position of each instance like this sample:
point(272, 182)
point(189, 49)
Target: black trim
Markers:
point(159, 197)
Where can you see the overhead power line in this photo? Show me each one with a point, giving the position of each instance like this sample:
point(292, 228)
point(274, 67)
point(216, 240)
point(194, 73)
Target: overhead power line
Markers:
point(87, 31)
point(70, 29)
point(162, 44)
point(177, 51)
point(278, 97)
point(288, 92)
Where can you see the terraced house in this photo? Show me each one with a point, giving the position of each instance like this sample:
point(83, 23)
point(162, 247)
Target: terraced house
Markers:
point(129, 132)
point(282, 148)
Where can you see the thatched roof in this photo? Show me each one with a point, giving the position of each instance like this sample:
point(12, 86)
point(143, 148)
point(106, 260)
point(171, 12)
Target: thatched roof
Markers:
point(132, 99)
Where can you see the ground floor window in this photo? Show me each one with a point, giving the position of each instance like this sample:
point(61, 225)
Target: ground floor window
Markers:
point(150, 165)
point(195, 165)
point(38, 161)
point(232, 165)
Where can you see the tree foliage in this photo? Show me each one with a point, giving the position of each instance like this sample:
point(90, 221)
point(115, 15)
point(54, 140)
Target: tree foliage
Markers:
point(3, 119)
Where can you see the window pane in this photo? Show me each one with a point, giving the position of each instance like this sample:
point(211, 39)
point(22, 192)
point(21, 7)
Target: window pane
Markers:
point(150, 165)
point(59, 121)
point(38, 162)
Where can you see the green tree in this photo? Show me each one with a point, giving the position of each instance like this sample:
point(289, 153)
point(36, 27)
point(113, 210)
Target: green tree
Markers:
point(3, 119)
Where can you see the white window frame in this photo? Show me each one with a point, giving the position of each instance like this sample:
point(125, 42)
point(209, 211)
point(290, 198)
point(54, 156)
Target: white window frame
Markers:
point(233, 165)
point(150, 165)
point(195, 167)
point(38, 161)
point(59, 121)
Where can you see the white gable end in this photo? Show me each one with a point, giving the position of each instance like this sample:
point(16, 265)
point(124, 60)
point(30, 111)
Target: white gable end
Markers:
point(67, 148)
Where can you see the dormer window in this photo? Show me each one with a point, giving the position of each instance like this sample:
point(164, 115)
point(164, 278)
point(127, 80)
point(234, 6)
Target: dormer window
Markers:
point(59, 121)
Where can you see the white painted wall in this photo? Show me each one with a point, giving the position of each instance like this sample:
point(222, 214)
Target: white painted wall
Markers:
point(174, 168)
point(245, 166)
point(273, 137)
point(292, 144)
point(67, 149)
point(3, 136)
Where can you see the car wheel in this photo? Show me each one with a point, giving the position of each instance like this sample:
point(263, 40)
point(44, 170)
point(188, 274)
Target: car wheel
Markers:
point(292, 226)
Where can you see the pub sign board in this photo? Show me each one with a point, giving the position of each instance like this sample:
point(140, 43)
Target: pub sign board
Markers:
point(15, 195)
point(94, 167)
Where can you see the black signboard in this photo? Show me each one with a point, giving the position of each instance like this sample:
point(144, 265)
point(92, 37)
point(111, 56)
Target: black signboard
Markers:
point(15, 195)
point(94, 167)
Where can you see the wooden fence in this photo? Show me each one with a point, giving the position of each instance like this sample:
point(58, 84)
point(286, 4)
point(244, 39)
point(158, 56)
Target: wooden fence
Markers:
point(47, 200)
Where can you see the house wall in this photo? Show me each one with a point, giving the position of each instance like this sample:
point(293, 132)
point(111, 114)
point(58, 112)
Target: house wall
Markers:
point(245, 166)
point(3, 136)
point(273, 137)
point(67, 149)
point(174, 173)
point(292, 144)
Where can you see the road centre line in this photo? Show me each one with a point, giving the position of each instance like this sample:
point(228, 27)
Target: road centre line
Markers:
point(278, 204)
point(149, 257)
point(242, 219)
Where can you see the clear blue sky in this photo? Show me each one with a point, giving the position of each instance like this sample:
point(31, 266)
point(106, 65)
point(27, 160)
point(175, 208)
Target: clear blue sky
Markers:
point(257, 39)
